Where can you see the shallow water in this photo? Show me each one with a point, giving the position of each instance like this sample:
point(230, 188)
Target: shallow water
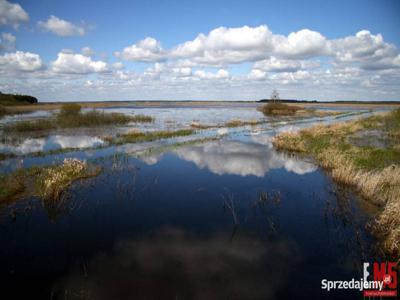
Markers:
point(230, 218)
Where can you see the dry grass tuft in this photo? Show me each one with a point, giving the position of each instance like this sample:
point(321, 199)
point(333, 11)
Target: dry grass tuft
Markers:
point(54, 180)
point(46, 182)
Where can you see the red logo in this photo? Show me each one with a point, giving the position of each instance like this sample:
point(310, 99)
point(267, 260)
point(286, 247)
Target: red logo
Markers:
point(385, 273)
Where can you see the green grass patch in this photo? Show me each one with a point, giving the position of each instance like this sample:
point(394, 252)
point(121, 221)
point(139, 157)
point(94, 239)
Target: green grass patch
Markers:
point(371, 158)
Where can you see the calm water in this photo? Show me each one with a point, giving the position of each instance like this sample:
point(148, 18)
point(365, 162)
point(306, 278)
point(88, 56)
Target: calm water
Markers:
point(224, 219)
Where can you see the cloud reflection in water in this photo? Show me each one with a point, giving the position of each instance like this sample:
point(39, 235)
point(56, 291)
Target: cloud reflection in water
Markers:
point(243, 159)
point(174, 264)
point(53, 142)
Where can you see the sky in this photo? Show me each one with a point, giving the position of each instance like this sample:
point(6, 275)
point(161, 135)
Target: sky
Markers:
point(209, 50)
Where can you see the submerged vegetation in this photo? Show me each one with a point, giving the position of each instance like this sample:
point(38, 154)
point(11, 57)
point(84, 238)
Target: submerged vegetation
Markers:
point(71, 116)
point(374, 171)
point(46, 182)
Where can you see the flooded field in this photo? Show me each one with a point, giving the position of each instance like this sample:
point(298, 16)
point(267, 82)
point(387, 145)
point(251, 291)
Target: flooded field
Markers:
point(216, 214)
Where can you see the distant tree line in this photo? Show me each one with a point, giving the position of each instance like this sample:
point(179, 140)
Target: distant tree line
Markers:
point(15, 99)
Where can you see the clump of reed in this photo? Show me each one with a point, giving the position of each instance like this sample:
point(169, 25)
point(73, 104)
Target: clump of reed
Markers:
point(46, 182)
point(70, 115)
point(52, 181)
point(278, 109)
point(374, 172)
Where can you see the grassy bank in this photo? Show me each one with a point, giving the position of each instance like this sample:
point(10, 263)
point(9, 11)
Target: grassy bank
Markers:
point(71, 116)
point(46, 182)
point(374, 170)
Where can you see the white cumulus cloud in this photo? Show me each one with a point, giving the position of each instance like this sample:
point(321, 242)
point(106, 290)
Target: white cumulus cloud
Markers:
point(301, 44)
point(147, 50)
point(70, 63)
point(7, 42)
point(274, 64)
point(12, 14)
point(221, 74)
point(20, 61)
point(61, 27)
point(87, 51)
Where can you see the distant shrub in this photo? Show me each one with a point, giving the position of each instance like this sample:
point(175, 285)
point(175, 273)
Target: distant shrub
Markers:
point(278, 109)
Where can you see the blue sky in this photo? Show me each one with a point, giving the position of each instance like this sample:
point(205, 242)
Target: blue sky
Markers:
point(213, 50)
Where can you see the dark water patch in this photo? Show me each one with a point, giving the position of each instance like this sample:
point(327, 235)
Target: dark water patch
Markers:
point(160, 225)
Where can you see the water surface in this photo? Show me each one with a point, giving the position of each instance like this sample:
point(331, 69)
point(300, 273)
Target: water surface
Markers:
point(228, 218)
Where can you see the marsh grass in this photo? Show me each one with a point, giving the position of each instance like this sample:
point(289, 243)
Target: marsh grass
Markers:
point(373, 171)
point(279, 109)
point(11, 186)
point(239, 123)
point(27, 126)
point(46, 182)
point(92, 119)
point(136, 136)
point(230, 124)
point(52, 181)
point(71, 116)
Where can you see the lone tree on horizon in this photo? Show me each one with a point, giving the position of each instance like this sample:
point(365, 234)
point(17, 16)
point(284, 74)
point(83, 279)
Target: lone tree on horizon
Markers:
point(275, 96)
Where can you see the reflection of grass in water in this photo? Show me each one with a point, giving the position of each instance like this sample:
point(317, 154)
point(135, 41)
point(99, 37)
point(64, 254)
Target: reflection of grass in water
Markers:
point(46, 182)
point(70, 116)
point(374, 171)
